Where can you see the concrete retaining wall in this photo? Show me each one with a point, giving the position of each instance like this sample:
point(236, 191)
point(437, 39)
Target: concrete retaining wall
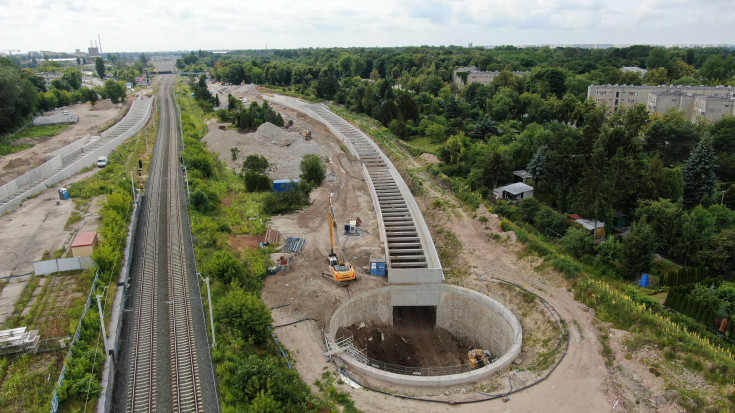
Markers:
point(56, 163)
point(432, 257)
point(465, 313)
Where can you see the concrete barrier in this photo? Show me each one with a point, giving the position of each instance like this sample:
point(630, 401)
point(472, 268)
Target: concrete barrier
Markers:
point(465, 313)
point(51, 171)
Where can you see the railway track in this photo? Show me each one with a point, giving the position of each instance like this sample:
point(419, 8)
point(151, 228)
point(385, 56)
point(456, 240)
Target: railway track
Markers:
point(163, 269)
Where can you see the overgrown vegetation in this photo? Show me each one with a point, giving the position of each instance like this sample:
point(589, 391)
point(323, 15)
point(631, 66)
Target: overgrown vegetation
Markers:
point(251, 372)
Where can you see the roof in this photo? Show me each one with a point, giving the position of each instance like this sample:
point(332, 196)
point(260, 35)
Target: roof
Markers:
point(516, 188)
point(589, 224)
point(522, 174)
point(574, 216)
point(84, 239)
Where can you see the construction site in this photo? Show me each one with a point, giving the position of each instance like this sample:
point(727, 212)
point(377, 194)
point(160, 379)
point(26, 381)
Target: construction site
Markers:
point(372, 297)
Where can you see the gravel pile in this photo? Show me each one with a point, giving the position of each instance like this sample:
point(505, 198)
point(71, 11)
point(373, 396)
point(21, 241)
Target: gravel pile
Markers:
point(283, 149)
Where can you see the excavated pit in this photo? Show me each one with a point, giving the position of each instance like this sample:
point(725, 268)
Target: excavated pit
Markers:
point(412, 341)
point(424, 346)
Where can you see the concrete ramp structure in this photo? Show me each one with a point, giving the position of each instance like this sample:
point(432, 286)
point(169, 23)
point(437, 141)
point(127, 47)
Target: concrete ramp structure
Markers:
point(71, 159)
point(411, 256)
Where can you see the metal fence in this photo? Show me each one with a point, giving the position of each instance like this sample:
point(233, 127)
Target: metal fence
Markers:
point(55, 398)
point(360, 356)
point(62, 264)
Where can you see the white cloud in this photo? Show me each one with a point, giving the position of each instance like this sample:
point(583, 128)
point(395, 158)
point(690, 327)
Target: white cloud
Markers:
point(139, 25)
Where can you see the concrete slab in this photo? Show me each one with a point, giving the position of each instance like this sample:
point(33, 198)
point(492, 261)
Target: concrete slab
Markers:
point(8, 297)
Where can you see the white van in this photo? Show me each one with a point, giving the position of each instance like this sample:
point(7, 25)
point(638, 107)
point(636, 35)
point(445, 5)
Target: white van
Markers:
point(102, 161)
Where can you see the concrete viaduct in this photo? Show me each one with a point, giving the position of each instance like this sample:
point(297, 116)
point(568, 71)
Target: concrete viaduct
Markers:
point(413, 263)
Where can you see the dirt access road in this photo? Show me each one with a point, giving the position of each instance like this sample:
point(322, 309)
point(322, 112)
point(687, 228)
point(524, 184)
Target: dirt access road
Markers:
point(91, 120)
point(581, 383)
point(39, 224)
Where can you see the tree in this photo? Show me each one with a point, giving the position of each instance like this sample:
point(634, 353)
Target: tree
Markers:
point(660, 182)
point(200, 201)
point(313, 170)
point(699, 173)
point(637, 251)
point(537, 164)
point(495, 169)
point(226, 267)
point(115, 91)
point(256, 163)
point(255, 181)
point(99, 66)
point(327, 85)
point(578, 242)
point(719, 251)
point(244, 314)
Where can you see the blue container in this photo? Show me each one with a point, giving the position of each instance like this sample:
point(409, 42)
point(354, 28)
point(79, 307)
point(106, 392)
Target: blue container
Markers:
point(377, 268)
point(283, 185)
point(644, 281)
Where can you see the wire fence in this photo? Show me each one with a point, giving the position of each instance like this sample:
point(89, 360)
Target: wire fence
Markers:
point(347, 346)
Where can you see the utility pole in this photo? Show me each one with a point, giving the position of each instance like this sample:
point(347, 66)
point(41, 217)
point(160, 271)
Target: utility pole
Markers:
point(209, 300)
point(102, 324)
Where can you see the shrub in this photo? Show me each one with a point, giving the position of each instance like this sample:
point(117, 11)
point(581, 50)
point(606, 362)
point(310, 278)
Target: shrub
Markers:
point(256, 182)
point(313, 170)
point(244, 314)
point(578, 242)
point(255, 163)
point(200, 201)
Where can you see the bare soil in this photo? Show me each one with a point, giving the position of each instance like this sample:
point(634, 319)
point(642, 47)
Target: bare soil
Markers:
point(91, 120)
point(580, 383)
point(410, 344)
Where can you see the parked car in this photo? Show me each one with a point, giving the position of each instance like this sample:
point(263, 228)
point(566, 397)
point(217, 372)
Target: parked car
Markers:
point(102, 161)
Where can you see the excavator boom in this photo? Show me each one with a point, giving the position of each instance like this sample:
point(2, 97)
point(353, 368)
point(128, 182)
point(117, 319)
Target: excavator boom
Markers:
point(340, 271)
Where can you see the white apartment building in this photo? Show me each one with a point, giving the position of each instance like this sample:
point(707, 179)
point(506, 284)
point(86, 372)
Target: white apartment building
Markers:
point(711, 103)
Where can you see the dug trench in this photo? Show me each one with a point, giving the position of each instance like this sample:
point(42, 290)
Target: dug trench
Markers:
point(412, 341)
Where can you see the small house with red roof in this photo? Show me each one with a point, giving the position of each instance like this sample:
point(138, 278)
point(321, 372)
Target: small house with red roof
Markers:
point(84, 243)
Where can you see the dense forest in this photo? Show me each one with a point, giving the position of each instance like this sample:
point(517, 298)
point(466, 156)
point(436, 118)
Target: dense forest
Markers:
point(24, 91)
point(673, 178)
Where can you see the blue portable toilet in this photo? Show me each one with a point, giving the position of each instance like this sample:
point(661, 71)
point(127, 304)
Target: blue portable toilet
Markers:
point(378, 265)
point(63, 193)
point(644, 281)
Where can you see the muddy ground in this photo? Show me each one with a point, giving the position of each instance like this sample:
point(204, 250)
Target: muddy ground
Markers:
point(410, 344)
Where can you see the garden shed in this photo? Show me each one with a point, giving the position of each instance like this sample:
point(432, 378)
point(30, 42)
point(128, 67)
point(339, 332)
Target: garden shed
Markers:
point(84, 244)
point(513, 192)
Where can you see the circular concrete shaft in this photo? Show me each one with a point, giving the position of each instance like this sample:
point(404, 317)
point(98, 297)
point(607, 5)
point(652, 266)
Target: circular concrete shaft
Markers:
point(463, 312)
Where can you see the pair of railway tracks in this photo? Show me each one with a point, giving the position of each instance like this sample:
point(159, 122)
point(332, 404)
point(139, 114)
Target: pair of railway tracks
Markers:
point(164, 261)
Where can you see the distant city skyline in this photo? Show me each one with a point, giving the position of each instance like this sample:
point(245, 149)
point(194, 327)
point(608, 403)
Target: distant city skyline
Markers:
point(138, 26)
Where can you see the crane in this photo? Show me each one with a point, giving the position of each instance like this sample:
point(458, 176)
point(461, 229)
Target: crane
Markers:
point(339, 270)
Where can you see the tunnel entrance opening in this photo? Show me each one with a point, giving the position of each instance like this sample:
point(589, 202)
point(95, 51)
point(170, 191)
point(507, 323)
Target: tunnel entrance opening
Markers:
point(414, 317)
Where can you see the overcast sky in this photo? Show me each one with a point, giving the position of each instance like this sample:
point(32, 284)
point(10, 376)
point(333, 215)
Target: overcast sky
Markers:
point(155, 25)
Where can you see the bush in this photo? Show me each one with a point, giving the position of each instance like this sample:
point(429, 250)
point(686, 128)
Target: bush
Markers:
point(255, 163)
point(225, 267)
point(282, 202)
point(244, 314)
point(550, 222)
point(578, 242)
point(200, 201)
point(256, 182)
point(313, 170)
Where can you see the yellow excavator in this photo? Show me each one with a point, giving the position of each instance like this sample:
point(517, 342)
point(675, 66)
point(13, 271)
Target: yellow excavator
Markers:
point(479, 358)
point(339, 271)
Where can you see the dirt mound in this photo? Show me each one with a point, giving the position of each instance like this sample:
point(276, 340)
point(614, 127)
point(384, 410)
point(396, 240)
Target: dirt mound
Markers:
point(14, 164)
point(102, 105)
point(283, 149)
point(429, 158)
point(411, 346)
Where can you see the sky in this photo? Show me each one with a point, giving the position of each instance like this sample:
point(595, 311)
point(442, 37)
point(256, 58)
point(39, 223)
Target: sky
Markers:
point(155, 25)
